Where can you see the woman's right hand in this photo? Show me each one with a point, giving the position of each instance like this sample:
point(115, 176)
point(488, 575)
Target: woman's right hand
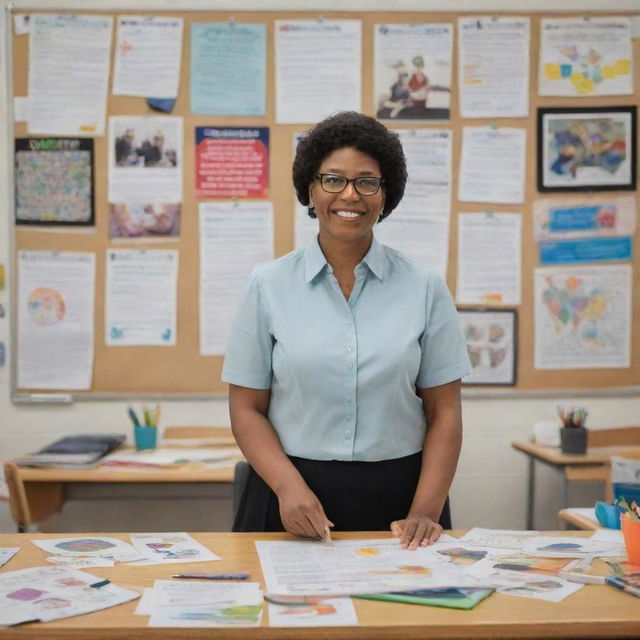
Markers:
point(301, 512)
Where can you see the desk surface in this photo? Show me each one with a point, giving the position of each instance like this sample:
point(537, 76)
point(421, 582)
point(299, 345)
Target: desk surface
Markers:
point(596, 611)
point(581, 518)
point(593, 456)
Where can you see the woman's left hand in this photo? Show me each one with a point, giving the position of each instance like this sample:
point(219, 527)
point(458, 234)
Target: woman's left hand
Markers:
point(416, 530)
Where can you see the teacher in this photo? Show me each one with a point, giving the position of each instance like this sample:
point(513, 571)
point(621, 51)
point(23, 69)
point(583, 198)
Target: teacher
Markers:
point(345, 359)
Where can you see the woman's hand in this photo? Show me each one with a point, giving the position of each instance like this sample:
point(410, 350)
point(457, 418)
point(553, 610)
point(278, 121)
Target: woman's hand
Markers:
point(416, 530)
point(301, 512)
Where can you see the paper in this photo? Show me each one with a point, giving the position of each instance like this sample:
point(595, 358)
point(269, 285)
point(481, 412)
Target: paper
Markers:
point(305, 227)
point(332, 612)
point(489, 258)
point(501, 538)
point(140, 297)
point(6, 553)
point(68, 73)
point(584, 217)
point(172, 456)
point(493, 67)
point(419, 226)
point(585, 57)
point(232, 162)
point(55, 319)
point(148, 56)
point(234, 238)
point(606, 535)
point(493, 165)
point(356, 566)
point(490, 338)
point(190, 603)
point(145, 159)
point(89, 547)
point(20, 108)
point(318, 69)
point(557, 547)
point(50, 593)
point(412, 65)
point(80, 563)
point(54, 180)
point(167, 548)
point(228, 68)
point(582, 317)
point(586, 250)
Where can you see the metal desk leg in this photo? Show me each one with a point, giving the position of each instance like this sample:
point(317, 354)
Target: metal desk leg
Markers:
point(531, 490)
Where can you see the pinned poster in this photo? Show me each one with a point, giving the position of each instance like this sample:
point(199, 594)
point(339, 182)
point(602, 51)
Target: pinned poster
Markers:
point(232, 162)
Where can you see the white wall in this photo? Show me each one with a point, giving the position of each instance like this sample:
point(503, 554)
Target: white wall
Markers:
point(490, 487)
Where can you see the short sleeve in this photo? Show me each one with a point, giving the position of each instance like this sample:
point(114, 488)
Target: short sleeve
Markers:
point(247, 361)
point(444, 352)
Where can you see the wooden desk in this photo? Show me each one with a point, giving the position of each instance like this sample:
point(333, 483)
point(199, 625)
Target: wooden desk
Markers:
point(580, 518)
point(596, 611)
point(591, 466)
point(36, 493)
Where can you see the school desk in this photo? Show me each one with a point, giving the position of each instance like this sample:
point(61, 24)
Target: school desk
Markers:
point(36, 493)
point(596, 611)
point(591, 466)
point(580, 518)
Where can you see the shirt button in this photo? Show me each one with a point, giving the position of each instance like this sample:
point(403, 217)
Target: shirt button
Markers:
point(347, 434)
point(349, 349)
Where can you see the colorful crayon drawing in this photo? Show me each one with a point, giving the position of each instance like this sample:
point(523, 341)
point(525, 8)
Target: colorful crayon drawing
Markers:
point(85, 544)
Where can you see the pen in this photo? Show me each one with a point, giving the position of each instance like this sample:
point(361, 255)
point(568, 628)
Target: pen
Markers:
point(293, 599)
point(583, 578)
point(634, 591)
point(213, 576)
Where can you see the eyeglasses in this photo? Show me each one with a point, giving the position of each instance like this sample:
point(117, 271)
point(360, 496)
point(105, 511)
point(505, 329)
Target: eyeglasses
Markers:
point(365, 186)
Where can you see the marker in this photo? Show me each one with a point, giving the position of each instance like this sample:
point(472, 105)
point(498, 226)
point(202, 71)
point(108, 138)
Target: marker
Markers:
point(134, 417)
point(294, 599)
point(213, 576)
point(102, 583)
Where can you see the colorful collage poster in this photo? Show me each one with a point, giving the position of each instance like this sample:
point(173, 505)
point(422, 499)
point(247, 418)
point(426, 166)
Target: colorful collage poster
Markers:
point(54, 181)
point(232, 162)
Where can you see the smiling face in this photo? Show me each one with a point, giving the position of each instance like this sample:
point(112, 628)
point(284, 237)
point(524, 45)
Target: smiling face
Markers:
point(347, 217)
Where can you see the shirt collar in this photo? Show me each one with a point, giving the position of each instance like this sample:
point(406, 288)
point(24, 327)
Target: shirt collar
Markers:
point(315, 262)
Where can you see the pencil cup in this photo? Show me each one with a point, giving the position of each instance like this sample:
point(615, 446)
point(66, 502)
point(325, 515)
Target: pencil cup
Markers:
point(573, 440)
point(145, 437)
point(631, 534)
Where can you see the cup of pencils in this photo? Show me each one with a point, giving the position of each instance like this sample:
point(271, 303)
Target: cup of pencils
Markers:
point(145, 431)
point(630, 525)
point(573, 434)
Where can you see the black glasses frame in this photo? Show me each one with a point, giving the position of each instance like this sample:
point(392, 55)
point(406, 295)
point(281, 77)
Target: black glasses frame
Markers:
point(320, 176)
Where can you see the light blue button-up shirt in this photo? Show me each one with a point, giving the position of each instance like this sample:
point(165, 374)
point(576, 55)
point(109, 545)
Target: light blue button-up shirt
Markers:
point(343, 374)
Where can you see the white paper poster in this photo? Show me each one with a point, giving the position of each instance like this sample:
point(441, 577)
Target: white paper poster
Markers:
point(68, 73)
point(413, 71)
point(493, 67)
point(419, 226)
point(145, 159)
point(318, 69)
point(234, 238)
point(582, 317)
point(148, 56)
point(141, 292)
point(489, 258)
point(585, 57)
point(55, 319)
point(493, 165)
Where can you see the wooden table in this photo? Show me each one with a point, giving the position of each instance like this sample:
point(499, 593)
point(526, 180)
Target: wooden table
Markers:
point(580, 518)
point(592, 466)
point(596, 611)
point(36, 493)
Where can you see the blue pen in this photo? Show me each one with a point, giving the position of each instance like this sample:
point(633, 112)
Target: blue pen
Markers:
point(213, 576)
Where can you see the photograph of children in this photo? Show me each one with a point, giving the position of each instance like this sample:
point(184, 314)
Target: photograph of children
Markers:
point(413, 71)
point(141, 220)
point(582, 149)
point(145, 143)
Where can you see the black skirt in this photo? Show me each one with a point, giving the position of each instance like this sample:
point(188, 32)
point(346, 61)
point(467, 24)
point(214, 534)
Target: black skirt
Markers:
point(356, 496)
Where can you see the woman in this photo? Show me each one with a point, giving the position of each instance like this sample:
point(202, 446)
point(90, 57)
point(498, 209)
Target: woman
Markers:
point(341, 354)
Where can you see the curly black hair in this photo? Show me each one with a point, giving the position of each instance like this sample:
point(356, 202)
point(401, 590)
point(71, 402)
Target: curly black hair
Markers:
point(366, 134)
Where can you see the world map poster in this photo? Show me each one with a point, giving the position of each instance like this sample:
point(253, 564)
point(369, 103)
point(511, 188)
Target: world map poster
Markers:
point(583, 317)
